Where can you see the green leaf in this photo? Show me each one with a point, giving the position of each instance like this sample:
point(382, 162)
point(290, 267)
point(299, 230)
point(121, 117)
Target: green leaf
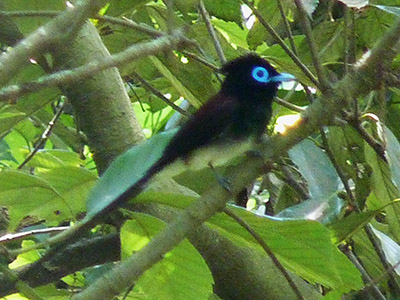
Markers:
point(304, 247)
point(27, 25)
point(269, 11)
point(392, 152)
point(125, 171)
point(173, 200)
point(323, 184)
point(5, 152)
point(176, 83)
point(49, 159)
point(366, 254)
point(7, 111)
point(56, 195)
point(333, 295)
point(372, 26)
point(383, 191)
point(345, 228)
point(316, 168)
point(347, 147)
point(227, 10)
point(27, 257)
point(233, 32)
point(181, 274)
point(322, 209)
point(390, 248)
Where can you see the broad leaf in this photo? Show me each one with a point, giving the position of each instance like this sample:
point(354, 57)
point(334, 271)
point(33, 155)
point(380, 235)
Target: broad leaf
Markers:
point(392, 152)
point(323, 184)
point(54, 196)
point(304, 247)
point(181, 274)
point(390, 248)
point(383, 191)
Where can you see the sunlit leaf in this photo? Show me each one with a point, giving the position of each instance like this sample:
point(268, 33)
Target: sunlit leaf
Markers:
point(55, 195)
point(181, 274)
point(304, 247)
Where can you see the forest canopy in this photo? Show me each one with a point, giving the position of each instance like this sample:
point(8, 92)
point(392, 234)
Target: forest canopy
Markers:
point(91, 93)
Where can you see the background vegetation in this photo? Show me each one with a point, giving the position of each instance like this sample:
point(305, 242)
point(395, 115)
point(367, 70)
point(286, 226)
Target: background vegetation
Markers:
point(83, 82)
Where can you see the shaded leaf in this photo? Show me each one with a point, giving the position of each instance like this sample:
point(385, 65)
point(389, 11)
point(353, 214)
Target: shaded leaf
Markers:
point(390, 248)
point(392, 147)
point(316, 168)
point(322, 209)
point(323, 184)
point(348, 226)
point(383, 191)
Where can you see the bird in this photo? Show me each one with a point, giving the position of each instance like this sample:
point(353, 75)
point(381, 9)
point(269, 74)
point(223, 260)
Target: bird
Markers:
point(228, 124)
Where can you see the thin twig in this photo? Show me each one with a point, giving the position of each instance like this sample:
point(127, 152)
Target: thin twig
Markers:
point(293, 182)
point(289, 105)
point(157, 93)
point(15, 236)
point(201, 60)
point(287, 26)
point(279, 40)
point(376, 145)
point(32, 13)
point(381, 276)
point(112, 20)
point(211, 32)
point(136, 51)
point(346, 38)
point(293, 45)
point(305, 22)
point(267, 249)
point(339, 170)
point(56, 31)
point(45, 136)
point(374, 289)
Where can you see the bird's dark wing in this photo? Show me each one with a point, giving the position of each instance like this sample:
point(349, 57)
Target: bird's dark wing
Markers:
point(211, 122)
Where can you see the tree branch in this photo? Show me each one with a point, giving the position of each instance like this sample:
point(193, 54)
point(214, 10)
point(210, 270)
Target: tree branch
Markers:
point(57, 31)
point(69, 76)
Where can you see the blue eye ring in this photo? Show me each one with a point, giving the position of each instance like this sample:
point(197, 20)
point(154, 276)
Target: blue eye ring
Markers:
point(260, 74)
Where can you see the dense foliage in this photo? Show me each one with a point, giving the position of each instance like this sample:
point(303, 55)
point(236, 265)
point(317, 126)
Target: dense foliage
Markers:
point(84, 84)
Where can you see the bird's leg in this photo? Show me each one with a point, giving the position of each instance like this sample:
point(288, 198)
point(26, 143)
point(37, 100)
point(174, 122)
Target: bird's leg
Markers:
point(223, 181)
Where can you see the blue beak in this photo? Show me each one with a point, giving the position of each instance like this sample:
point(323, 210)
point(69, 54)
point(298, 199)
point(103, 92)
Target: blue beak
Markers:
point(283, 77)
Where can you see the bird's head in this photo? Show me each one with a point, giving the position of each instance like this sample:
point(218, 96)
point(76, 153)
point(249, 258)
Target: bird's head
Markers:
point(251, 75)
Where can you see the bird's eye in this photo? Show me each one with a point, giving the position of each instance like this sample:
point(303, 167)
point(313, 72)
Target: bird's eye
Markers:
point(260, 74)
